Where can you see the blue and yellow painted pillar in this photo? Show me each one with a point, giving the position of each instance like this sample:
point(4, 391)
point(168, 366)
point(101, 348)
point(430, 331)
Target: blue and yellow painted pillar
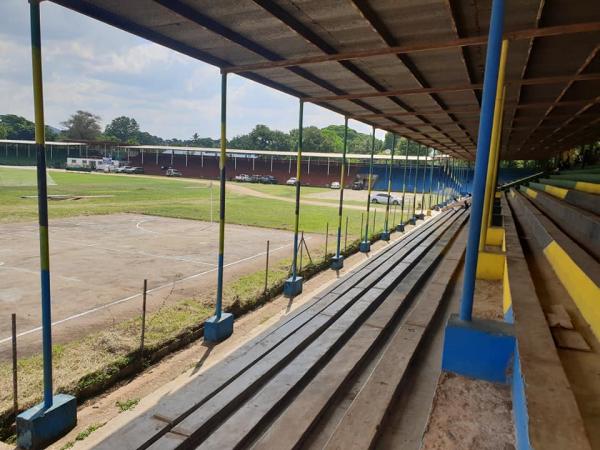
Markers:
point(337, 262)
point(42, 424)
point(431, 180)
point(483, 145)
point(400, 226)
point(386, 232)
point(220, 326)
point(421, 215)
point(365, 245)
point(413, 217)
point(293, 285)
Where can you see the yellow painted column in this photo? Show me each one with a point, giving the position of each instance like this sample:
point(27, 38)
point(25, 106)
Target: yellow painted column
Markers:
point(496, 166)
point(493, 147)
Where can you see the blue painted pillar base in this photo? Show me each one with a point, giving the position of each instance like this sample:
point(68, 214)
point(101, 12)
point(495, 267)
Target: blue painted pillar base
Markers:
point(37, 428)
point(364, 247)
point(385, 235)
point(218, 329)
point(400, 227)
point(337, 262)
point(482, 349)
point(292, 287)
point(412, 220)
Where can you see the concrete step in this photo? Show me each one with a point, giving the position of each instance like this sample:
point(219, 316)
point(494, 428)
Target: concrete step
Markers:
point(583, 186)
point(581, 226)
point(583, 200)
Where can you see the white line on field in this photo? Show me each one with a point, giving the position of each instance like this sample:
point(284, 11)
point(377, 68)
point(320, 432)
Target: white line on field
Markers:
point(123, 300)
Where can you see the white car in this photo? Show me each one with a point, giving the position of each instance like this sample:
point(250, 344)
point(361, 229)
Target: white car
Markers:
point(291, 182)
point(335, 185)
point(383, 198)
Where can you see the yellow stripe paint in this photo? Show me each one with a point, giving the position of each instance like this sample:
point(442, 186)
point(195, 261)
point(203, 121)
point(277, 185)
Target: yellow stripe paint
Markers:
point(556, 191)
point(490, 266)
point(530, 192)
point(495, 236)
point(592, 188)
point(584, 292)
point(506, 296)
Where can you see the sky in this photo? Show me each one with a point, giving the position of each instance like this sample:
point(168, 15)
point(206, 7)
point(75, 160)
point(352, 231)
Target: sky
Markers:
point(90, 66)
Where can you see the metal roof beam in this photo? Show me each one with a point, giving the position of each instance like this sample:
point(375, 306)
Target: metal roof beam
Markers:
point(415, 48)
point(313, 38)
point(212, 25)
point(388, 38)
point(459, 88)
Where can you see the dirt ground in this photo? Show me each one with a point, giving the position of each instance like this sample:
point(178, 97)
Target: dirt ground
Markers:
point(470, 414)
point(98, 264)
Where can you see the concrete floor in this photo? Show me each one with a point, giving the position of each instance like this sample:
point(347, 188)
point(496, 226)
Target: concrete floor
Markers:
point(98, 264)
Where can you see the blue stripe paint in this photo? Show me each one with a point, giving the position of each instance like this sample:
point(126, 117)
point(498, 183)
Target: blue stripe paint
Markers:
point(47, 337)
point(520, 414)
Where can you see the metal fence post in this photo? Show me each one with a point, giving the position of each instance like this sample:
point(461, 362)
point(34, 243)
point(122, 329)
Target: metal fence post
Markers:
point(346, 235)
point(267, 268)
point(14, 364)
point(326, 240)
point(143, 320)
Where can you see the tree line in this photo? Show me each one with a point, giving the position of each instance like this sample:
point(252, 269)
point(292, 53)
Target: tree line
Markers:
point(83, 125)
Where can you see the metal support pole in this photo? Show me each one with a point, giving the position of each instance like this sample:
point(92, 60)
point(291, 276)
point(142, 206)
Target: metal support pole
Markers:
point(386, 234)
point(293, 286)
point(414, 205)
point(404, 187)
point(431, 179)
point(481, 162)
point(298, 174)
point(222, 181)
point(38, 100)
point(423, 183)
point(365, 245)
point(337, 261)
point(494, 146)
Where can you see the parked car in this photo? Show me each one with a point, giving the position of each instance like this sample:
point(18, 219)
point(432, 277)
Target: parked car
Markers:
point(383, 198)
point(335, 185)
point(173, 173)
point(135, 170)
point(242, 178)
point(123, 169)
point(255, 178)
point(291, 182)
point(358, 185)
point(268, 179)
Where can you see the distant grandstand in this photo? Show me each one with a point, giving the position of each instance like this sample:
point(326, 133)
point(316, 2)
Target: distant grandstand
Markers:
point(318, 169)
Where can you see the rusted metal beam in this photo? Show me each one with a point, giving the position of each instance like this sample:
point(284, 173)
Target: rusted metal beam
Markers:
point(569, 82)
point(298, 27)
point(389, 39)
point(458, 88)
point(414, 48)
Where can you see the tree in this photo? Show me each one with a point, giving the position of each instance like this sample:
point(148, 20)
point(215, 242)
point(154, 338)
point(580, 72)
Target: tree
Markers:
point(125, 129)
point(17, 127)
point(82, 125)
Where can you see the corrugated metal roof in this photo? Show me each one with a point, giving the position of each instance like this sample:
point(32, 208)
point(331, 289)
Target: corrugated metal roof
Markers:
point(542, 115)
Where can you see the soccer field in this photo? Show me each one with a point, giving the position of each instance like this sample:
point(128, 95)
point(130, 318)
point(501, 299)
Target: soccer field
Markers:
point(76, 194)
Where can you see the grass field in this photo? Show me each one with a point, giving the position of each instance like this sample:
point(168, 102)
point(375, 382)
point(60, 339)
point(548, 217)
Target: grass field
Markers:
point(90, 194)
point(19, 177)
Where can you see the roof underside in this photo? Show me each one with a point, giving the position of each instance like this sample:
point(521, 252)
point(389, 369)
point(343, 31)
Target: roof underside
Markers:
point(430, 93)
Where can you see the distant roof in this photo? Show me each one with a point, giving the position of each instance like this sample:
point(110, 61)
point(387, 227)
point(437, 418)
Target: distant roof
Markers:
point(62, 144)
point(411, 67)
point(234, 151)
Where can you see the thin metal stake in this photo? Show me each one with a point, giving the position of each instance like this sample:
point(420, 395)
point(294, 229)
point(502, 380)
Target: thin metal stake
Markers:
point(326, 239)
point(143, 320)
point(267, 268)
point(14, 363)
point(374, 217)
point(301, 255)
point(346, 235)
